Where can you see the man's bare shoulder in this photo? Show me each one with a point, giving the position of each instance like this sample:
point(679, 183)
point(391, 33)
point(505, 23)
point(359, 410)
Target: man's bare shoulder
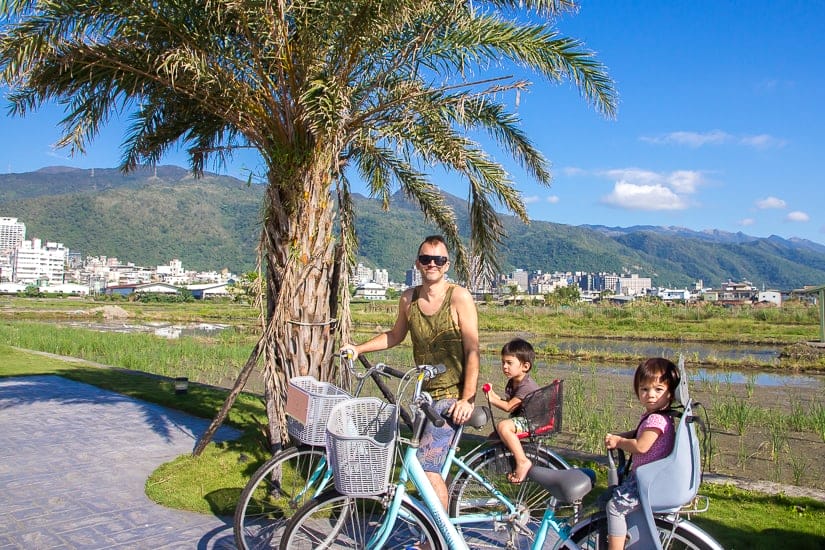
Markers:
point(461, 294)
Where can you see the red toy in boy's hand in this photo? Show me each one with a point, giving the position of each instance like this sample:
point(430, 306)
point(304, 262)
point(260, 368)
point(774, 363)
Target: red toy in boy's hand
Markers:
point(486, 388)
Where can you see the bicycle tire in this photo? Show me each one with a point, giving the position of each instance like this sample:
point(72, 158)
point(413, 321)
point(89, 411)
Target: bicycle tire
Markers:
point(336, 521)
point(591, 534)
point(531, 499)
point(274, 492)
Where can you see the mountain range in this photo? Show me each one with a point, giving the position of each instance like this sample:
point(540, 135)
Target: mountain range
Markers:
point(151, 216)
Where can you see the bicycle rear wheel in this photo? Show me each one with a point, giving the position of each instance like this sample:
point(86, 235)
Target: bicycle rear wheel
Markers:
point(468, 496)
point(277, 490)
point(336, 521)
point(592, 535)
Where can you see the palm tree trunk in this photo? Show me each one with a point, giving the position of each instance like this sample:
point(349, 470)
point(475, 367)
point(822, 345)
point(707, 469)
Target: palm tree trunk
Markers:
point(302, 291)
point(305, 271)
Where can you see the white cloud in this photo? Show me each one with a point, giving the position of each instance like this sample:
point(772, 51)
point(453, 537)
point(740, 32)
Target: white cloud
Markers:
point(770, 202)
point(531, 199)
point(684, 181)
point(644, 197)
point(747, 221)
point(762, 141)
point(714, 137)
point(573, 171)
point(797, 216)
point(638, 189)
point(553, 199)
point(691, 139)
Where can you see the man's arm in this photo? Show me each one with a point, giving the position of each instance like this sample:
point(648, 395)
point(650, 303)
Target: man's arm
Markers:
point(467, 315)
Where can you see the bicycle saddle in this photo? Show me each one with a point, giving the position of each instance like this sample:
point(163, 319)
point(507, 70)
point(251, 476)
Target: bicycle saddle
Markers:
point(566, 485)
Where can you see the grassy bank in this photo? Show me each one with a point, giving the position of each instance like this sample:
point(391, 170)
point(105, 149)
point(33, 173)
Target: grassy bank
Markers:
point(654, 320)
point(212, 482)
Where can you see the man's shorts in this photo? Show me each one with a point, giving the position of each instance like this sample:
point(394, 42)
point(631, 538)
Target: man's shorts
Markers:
point(435, 442)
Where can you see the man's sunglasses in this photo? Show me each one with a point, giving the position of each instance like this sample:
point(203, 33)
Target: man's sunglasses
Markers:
point(425, 259)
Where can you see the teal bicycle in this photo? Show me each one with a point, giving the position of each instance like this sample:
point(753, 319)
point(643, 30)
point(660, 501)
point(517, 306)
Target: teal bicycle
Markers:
point(367, 512)
point(301, 472)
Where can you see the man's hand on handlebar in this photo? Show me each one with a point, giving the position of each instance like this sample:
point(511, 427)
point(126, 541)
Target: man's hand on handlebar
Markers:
point(461, 411)
point(348, 351)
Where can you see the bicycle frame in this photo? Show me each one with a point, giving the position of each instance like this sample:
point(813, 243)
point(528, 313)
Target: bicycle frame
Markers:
point(413, 471)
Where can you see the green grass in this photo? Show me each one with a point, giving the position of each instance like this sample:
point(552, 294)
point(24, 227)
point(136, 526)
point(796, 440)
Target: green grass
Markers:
point(749, 520)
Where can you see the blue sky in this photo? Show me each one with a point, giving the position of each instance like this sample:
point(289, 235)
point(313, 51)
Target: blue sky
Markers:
point(720, 122)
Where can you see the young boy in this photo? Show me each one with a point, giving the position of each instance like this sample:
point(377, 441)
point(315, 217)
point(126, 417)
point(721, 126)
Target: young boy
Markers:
point(517, 357)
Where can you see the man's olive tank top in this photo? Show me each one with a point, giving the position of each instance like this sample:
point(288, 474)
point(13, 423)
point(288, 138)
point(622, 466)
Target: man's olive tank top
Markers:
point(436, 340)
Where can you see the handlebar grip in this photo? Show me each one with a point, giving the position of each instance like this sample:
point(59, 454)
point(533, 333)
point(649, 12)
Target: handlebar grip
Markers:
point(612, 471)
point(392, 372)
point(431, 415)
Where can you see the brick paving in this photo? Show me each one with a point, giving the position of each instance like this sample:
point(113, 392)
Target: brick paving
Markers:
point(74, 460)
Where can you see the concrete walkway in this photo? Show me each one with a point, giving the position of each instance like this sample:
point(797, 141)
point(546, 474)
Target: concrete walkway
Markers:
point(73, 463)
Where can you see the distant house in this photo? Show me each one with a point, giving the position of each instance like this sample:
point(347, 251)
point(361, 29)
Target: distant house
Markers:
point(370, 291)
point(735, 293)
point(773, 297)
point(674, 294)
point(208, 290)
point(11, 288)
point(71, 289)
point(143, 288)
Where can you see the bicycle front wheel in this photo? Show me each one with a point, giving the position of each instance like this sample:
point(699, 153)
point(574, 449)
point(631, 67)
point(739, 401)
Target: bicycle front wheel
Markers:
point(277, 490)
point(335, 521)
point(591, 534)
point(468, 496)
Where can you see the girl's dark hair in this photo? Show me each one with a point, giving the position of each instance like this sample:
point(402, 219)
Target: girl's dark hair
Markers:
point(657, 369)
point(521, 349)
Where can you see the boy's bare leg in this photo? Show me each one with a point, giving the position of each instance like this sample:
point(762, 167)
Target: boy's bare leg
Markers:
point(507, 433)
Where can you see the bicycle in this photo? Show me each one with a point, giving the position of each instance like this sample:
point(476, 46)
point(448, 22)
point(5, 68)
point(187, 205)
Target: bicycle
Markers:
point(297, 474)
point(387, 516)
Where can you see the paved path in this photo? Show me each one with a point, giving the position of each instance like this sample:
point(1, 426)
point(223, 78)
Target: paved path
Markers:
point(74, 459)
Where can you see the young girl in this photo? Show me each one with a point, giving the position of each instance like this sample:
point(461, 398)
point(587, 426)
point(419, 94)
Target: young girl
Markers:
point(654, 383)
point(517, 357)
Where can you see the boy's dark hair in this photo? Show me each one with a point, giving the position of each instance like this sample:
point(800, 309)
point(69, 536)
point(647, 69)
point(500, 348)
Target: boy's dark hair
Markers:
point(657, 369)
point(521, 349)
point(433, 239)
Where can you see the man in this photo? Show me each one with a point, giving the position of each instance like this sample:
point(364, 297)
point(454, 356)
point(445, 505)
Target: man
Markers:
point(442, 321)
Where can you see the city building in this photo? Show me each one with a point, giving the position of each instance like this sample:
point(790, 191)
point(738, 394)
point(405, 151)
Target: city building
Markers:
point(12, 234)
point(36, 263)
point(382, 277)
point(413, 277)
point(633, 285)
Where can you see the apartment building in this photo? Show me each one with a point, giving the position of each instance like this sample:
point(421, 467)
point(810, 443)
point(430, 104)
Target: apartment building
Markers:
point(633, 285)
point(36, 263)
point(12, 234)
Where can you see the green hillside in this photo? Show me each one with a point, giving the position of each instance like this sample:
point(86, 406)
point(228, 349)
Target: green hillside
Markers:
point(152, 216)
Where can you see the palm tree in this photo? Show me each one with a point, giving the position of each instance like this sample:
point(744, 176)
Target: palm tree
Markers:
point(387, 88)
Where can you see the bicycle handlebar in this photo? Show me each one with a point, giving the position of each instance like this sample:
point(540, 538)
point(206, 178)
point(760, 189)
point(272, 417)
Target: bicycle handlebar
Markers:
point(431, 415)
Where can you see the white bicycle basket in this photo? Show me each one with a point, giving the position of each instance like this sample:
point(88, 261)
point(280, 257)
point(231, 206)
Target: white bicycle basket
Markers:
point(308, 405)
point(361, 436)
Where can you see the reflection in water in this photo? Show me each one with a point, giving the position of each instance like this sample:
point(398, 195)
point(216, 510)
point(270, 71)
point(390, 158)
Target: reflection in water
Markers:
point(562, 369)
point(692, 351)
point(164, 330)
point(697, 351)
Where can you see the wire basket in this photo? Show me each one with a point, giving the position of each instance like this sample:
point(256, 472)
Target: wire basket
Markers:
point(543, 409)
point(361, 444)
point(308, 404)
